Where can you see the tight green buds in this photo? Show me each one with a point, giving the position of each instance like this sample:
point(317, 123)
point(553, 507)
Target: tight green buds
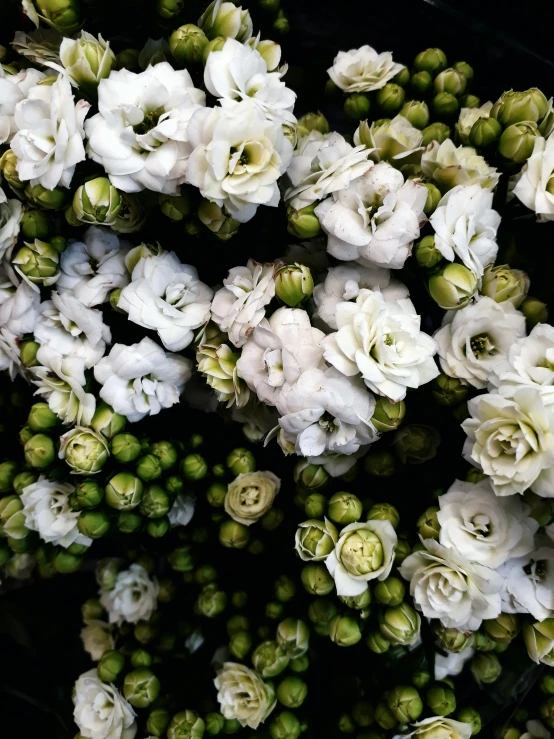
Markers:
point(535, 311)
point(293, 636)
point(234, 535)
point(417, 112)
point(166, 452)
point(155, 502)
point(387, 415)
point(453, 287)
point(448, 391)
point(168, 9)
point(484, 133)
point(400, 624)
point(87, 60)
point(427, 524)
point(241, 461)
point(38, 261)
point(211, 601)
point(124, 491)
point(504, 284)
point(344, 630)
point(357, 106)
point(384, 512)
point(84, 450)
point(293, 284)
point(20, 481)
point(515, 107)
point(539, 640)
point(517, 141)
point(110, 666)
point(450, 80)
point(194, 467)
point(8, 167)
point(292, 691)
point(384, 716)
point(107, 422)
point(315, 539)
point(35, 224)
point(187, 45)
point(310, 477)
point(445, 105)
point(441, 699)
point(12, 518)
point(420, 83)
point(430, 60)
point(359, 602)
point(285, 726)
point(435, 132)
point(344, 508)
point(141, 687)
point(39, 451)
point(316, 579)
point(125, 448)
point(315, 506)
point(93, 524)
point(303, 223)
point(41, 418)
point(269, 659)
point(390, 592)
point(485, 667)
point(148, 468)
point(88, 494)
point(470, 716)
point(502, 629)
point(28, 353)
point(390, 99)
point(426, 253)
point(63, 15)
point(405, 703)
point(47, 199)
point(313, 122)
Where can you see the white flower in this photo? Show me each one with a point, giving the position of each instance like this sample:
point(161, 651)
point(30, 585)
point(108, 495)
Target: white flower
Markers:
point(239, 306)
point(238, 157)
point(72, 329)
point(363, 69)
point(447, 586)
point(100, 711)
point(11, 211)
point(19, 307)
point(465, 227)
point(530, 362)
point(13, 89)
point(529, 584)
point(473, 341)
point(250, 495)
point(238, 72)
point(9, 354)
point(139, 135)
point(364, 552)
point(91, 268)
point(243, 695)
point(345, 282)
point(452, 663)
point(536, 730)
point(450, 166)
point(61, 383)
point(467, 117)
point(141, 379)
point(85, 60)
point(167, 296)
point(393, 139)
point(182, 510)
point(482, 527)
point(97, 638)
point(438, 727)
point(46, 509)
point(375, 219)
point(327, 412)
point(381, 341)
point(534, 184)
point(226, 20)
point(322, 164)
point(278, 351)
point(49, 140)
point(133, 597)
point(512, 441)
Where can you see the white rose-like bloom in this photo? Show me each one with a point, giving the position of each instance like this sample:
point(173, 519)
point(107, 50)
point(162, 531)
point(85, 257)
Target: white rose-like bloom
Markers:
point(100, 711)
point(438, 727)
point(278, 351)
point(452, 663)
point(11, 211)
point(381, 341)
point(324, 411)
point(13, 89)
point(375, 219)
point(141, 379)
point(19, 306)
point(238, 157)
point(482, 527)
point(239, 72)
point(512, 441)
point(474, 340)
point(529, 584)
point(323, 164)
point(49, 140)
point(9, 354)
point(449, 166)
point(345, 282)
point(467, 118)
point(72, 329)
point(239, 306)
point(182, 510)
point(97, 638)
point(535, 182)
point(133, 598)
point(243, 695)
point(46, 509)
point(363, 69)
point(139, 135)
point(364, 552)
point(530, 362)
point(91, 268)
point(465, 226)
point(249, 496)
point(166, 296)
point(447, 586)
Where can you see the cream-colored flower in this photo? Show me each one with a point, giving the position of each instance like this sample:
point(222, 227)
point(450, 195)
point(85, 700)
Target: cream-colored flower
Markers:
point(363, 69)
point(391, 141)
point(467, 118)
point(449, 166)
point(243, 695)
point(438, 727)
point(534, 186)
point(251, 495)
point(100, 711)
point(97, 638)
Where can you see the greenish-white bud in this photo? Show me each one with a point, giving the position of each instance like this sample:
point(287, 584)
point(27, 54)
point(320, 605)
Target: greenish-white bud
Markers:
point(194, 467)
point(270, 659)
point(174, 207)
point(20, 481)
point(97, 202)
point(47, 199)
point(166, 452)
point(316, 579)
point(226, 20)
point(285, 726)
point(384, 717)
point(313, 122)
point(234, 535)
point(428, 525)
point(303, 223)
point(437, 131)
point(215, 494)
point(384, 512)
point(240, 461)
point(426, 253)
point(211, 601)
point(125, 448)
point(293, 635)
point(216, 44)
point(405, 703)
point(38, 262)
point(124, 491)
point(445, 105)
point(357, 106)
point(450, 80)
point(416, 112)
point(421, 83)
point(39, 451)
point(12, 518)
point(441, 699)
point(448, 391)
point(315, 506)
point(344, 630)
point(504, 284)
point(148, 468)
point(518, 140)
point(95, 524)
point(63, 15)
point(453, 286)
point(41, 418)
point(87, 60)
point(515, 107)
point(388, 416)
point(28, 353)
point(390, 592)
point(390, 99)
point(292, 691)
point(88, 494)
point(293, 284)
point(535, 311)
point(8, 167)
point(469, 715)
point(430, 60)
point(359, 602)
point(110, 666)
point(484, 133)
point(315, 540)
point(155, 502)
point(141, 687)
point(345, 508)
point(187, 44)
point(169, 9)
point(310, 477)
point(85, 451)
point(107, 422)
point(35, 224)
point(217, 220)
point(400, 624)
point(504, 628)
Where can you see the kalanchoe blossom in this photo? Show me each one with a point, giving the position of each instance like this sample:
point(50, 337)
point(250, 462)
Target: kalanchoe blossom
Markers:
point(46, 509)
point(238, 72)
point(475, 340)
point(375, 219)
point(133, 597)
point(140, 133)
point(85, 60)
point(452, 663)
point(438, 727)
point(218, 364)
point(465, 227)
point(238, 157)
point(323, 164)
point(449, 166)
point(226, 20)
point(529, 584)
point(141, 379)
point(363, 69)
point(243, 695)
point(97, 638)
point(13, 89)
point(11, 211)
point(382, 342)
point(100, 711)
point(393, 140)
point(19, 307)
point(9, 354)
point(93, 267)
point(533, 186)
point(49, 140)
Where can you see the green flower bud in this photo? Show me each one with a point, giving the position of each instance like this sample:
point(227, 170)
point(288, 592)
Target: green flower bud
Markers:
point(357, 106)
point(546, 712)
point(35, 224)
point(484, 133)
point(97, 202)
point(84, 450)
point(380, 464)
point(310, 477)
point(400, 624)
point(363, 714)
point(237, 623)
point(129, 521)
point(427, 524)
point(470, 716)
point(48, 199)
point(315, 506)
point(517, 141)
point(41, 418)
point(535, 311)
point(187, 45)
point(346, 724)
point(421, 679)
point(316, 579)
point(174, 207)
point(453, 287)
point(303, 224)
point(270, 659)
point(504, 284)
point(320, 612)
point(482, 642)
point(390, 592)
point(344, 630)
point(240, 644)
point(141, 687)
point(20, 481)
point(315, 540)
point(28, 353)
point(450, 80)
point(106, 422)
point(8, 167)
point(344, 508)
point(448, 391)
point(124, 491)
point(293, 636)
point(125, 448)
point(390, 99)
point(435, 132)
point(359, 602)
point(216, 44)
point(12, 518)
point(63, 15)
point(8, 471)
point(140, 658)
point(157, 527)
point(426, 254)
point(470, 101)
point(181, 559)
point(274, 610)
point(503, 629)
point(285, 726)
point(445, 105)
point(384, 512)
point(281, 25)
point(485, 668)
point(110, 666)
point(515, 107)
point(433, 198)
point(233, 535)
point(39, 451)
point(214, 723)
point(93, 524)
point(452, 640)
point(228, 21)
point(405, 703)
point(314, 122)
point(38, 262)
point(293, 284)
point(430, 60)
point(217, 220)
point(241, 461)
point(148, 468)
point(66, 563)
point(211, 602)
point(416, 112)
point(215, 494)
point(194, 467)
point(292, 691)
point(300, 664)
point(384, 716)
point(285, 588)
point(92, 610)
point(387, 415)
point(539, 640)
point(402, 78)
point(155, 502)
point(421, 83)
point(546, 683)
point(174, 485)
point(168, 9)
point(441, 699)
